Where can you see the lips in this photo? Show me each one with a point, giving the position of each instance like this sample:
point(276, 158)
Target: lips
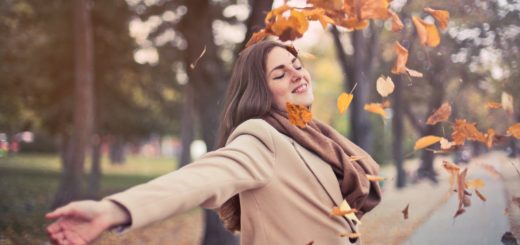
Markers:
point(300, 89)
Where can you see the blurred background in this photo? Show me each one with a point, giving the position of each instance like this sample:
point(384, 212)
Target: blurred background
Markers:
point(97, 96)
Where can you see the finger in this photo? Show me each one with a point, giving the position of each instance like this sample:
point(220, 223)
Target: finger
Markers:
point(58, 237)
point(54, 227)
point(74, 238)
point(63, 211)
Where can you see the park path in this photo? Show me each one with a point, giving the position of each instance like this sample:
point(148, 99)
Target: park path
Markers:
point(482, 223)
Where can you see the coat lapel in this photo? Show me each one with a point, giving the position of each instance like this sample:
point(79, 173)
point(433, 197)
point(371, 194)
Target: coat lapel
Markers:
point(322, 171)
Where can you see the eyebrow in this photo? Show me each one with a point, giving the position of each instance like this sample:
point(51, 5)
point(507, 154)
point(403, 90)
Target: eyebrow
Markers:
point(281, 66)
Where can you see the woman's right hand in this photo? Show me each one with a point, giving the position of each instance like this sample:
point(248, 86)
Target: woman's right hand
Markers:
point(82, 222)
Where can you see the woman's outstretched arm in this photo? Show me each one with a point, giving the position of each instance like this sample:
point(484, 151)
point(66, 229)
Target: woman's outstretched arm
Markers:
point(82, 222)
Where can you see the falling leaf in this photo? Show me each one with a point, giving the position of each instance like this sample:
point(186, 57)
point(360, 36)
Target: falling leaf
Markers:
point(461, 189)
point(319, 15)
point(428, 34)
point(194, 64)
point(355, 158)
point(344, 206)
point(402, 58)
point(507, 102)
point(405, 211)
point(384, 86)
point(481, 196)
point(397, 24)
point(441, 16)
point(475, 184)
point(374, 178)
point(514, 130)
point(331, 4)
point(440, 115)
point(413, 73)
point(353, 23)
point(493, 105)
point(349, 235)
point(338, 212)
point(450, 166)
point(344, 101)
point(490, 136)
point(376, 108)
point(371, 9)
point(289, 28)
point(463, 130)
point(445, 144)
point(459, 212)
point(426, 141)
point(299, 115)
point(256, 37)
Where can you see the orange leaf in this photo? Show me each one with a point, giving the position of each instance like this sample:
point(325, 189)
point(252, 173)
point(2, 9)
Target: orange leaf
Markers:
point(428, 34)
point(289, 28)
point(442, 16)
point(372, 9)
point(338, 212)
point(466, 131)
point(343, 102)
point(376, 108)
point(481, 196)
point(256, 37)
point(402, 58)
point(475, 184)
point(440, 115)
point(490, 136)
point(405, 211)
point(493, 105)
point(374, 178)
point(514, 130)
point(397, 24)
point(426, 141)
point(384, 86)
point(319, 15)
point(298, 115)
point(330, 4)
point(353, 23)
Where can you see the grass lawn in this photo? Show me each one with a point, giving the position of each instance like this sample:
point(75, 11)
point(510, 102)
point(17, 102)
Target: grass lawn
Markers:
point(28, 183)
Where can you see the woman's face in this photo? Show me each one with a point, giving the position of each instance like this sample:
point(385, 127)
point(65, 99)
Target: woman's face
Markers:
point(287, 79)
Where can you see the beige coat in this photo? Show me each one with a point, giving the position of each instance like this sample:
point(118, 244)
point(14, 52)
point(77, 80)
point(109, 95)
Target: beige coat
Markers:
point(286, 192)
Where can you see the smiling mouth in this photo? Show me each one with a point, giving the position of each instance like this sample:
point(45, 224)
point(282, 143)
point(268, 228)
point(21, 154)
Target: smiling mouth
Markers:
point(300, 89)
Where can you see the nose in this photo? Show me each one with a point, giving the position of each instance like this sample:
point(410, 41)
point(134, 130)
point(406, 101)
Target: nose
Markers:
point(296, 75)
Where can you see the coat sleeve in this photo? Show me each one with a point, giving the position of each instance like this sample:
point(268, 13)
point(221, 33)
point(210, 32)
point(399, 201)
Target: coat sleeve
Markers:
point(245, 163)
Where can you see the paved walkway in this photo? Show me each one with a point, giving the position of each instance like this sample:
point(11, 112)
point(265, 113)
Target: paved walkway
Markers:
point(482, 223)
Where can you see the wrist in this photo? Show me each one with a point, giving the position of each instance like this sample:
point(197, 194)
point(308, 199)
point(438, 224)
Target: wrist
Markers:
point(117, 215)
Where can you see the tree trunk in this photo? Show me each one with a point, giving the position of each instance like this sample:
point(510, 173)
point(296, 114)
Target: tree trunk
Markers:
point(255, 21)
point(186, 127)
point(95, 171)
point(398, 132)
point(117, 151)
point(70, 187)
point(207, 81)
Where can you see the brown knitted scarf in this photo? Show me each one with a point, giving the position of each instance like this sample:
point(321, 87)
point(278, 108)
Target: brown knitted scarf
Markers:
point(336, 150)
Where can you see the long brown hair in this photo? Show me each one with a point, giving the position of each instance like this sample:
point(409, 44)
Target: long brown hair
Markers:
point(248, 96)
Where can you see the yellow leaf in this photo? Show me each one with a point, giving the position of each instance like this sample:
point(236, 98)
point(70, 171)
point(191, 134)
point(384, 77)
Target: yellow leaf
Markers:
point(384, 86)
point(426, 141)
point(376, 108)
point(428, 34)
point(344, 101)
point(475, 184)
point(514, 130)
point(442, 16)
point(375, 178)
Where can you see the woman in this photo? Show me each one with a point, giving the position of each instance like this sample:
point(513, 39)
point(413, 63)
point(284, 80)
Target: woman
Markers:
point(274, 182)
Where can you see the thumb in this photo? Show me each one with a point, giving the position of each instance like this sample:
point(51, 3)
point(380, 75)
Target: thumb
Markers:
point(60, 212)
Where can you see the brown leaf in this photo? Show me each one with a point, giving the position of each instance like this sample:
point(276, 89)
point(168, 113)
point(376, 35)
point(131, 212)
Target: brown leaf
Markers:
point(376, 108)
point(481, 196)
point(459, 212)
point(461, 188)
point(428, 34)
point(298, 115)
point(514, 130)
point(441, 16)
point(402, 58)
point(440, 115)
point(375, 178)
point(405, 211)
point(256, 37)
point(463, 130)
point(426, 141)
point(344, 101)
